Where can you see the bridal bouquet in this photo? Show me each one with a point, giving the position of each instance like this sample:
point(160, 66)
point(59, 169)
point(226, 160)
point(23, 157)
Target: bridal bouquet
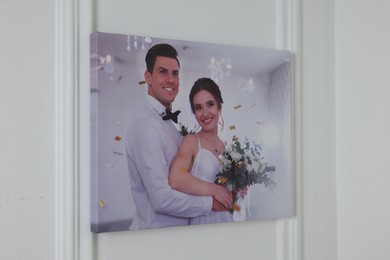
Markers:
point(243, 166)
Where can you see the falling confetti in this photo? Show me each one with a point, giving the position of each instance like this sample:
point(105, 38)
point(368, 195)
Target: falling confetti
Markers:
point(232, 127)
point(101, 203)
point(95, 90)
point(118, 138)
point(237, 107)
point(117, 124)
point(183, 170)
point(222, 180)
point(110, 165)
point(235, 207)
point(119, 79)
point(252, 106)
point(141, 82)
point(118, 153)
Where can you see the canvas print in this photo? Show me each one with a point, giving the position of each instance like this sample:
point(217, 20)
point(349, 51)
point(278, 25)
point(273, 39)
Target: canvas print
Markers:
point(188, 133)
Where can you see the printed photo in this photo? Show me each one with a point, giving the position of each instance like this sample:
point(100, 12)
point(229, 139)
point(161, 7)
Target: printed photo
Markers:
point(188, 133)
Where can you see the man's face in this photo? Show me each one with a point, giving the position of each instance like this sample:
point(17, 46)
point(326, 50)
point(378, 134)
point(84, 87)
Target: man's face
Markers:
point(163, 83)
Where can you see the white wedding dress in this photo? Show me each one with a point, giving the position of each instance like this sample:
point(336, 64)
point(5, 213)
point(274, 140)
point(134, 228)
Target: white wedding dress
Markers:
point(206, 166)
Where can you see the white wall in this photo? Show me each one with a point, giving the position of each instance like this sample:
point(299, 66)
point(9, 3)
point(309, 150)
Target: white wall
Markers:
point(363, 127)
point(343, 140)
point(27, 130)
point(318, 131)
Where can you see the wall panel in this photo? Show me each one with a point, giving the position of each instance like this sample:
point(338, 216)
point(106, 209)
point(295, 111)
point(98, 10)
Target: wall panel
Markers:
point(282, 24)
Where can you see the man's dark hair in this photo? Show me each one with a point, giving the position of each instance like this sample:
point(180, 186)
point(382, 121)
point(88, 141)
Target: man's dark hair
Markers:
point(210, 86)
point(162, 49)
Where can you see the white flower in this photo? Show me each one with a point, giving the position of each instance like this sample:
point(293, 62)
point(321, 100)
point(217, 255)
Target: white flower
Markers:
point(249, 167)
point(253, 158)
point(256, 165)
point(248, 154)
point(262, 167)
point(235, 155)
point(224, 161)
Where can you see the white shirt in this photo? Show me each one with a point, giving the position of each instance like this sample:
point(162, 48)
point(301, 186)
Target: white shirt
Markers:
point(151, 146)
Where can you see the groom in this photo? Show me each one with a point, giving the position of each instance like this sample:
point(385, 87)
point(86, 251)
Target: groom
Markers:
point(151, 145)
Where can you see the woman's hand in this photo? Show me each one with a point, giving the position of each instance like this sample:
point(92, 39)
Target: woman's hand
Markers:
point(223, 195)
point(217, 206)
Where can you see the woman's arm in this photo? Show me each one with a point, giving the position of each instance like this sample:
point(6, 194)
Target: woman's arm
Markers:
point(180, 177)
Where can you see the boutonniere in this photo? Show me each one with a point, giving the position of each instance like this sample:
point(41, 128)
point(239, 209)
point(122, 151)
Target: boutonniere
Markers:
point(184, 130)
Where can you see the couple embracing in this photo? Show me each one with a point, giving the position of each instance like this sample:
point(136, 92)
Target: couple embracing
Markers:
point(171, 177)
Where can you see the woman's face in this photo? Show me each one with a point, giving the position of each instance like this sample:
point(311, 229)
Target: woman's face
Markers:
point(206, 110)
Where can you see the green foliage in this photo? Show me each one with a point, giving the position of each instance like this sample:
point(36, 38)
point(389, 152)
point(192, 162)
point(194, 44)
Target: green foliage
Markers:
point(184, 130)
point(243, 166)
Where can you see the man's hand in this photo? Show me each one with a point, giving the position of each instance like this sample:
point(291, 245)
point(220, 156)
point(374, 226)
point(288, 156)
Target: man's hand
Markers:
point(218, 206)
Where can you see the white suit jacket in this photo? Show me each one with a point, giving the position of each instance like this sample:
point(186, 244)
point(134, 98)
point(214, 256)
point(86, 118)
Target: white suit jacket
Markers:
point(151, 146)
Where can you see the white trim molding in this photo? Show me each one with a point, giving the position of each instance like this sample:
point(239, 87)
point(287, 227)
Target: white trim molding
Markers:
point(288, 37)
point(65, 135)
point(73, 241)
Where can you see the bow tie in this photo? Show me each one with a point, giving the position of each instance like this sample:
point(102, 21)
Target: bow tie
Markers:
point(170, 115)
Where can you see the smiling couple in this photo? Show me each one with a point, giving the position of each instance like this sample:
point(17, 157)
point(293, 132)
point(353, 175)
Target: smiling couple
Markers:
point(171, 177)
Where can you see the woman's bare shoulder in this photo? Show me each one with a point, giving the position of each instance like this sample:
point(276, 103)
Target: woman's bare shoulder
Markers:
point(188, 146)
point(190, 140)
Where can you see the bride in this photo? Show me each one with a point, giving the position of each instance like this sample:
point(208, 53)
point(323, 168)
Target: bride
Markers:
point(194, 169)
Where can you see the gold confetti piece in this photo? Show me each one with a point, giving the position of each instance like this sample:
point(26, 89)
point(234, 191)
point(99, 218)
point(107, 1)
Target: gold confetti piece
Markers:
point(183, 170)
point(222, 180)
point(235, 207)
point(118, 138)
point(101, 203)
point(237, 107)
point(141, 82)
point(232, 127)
